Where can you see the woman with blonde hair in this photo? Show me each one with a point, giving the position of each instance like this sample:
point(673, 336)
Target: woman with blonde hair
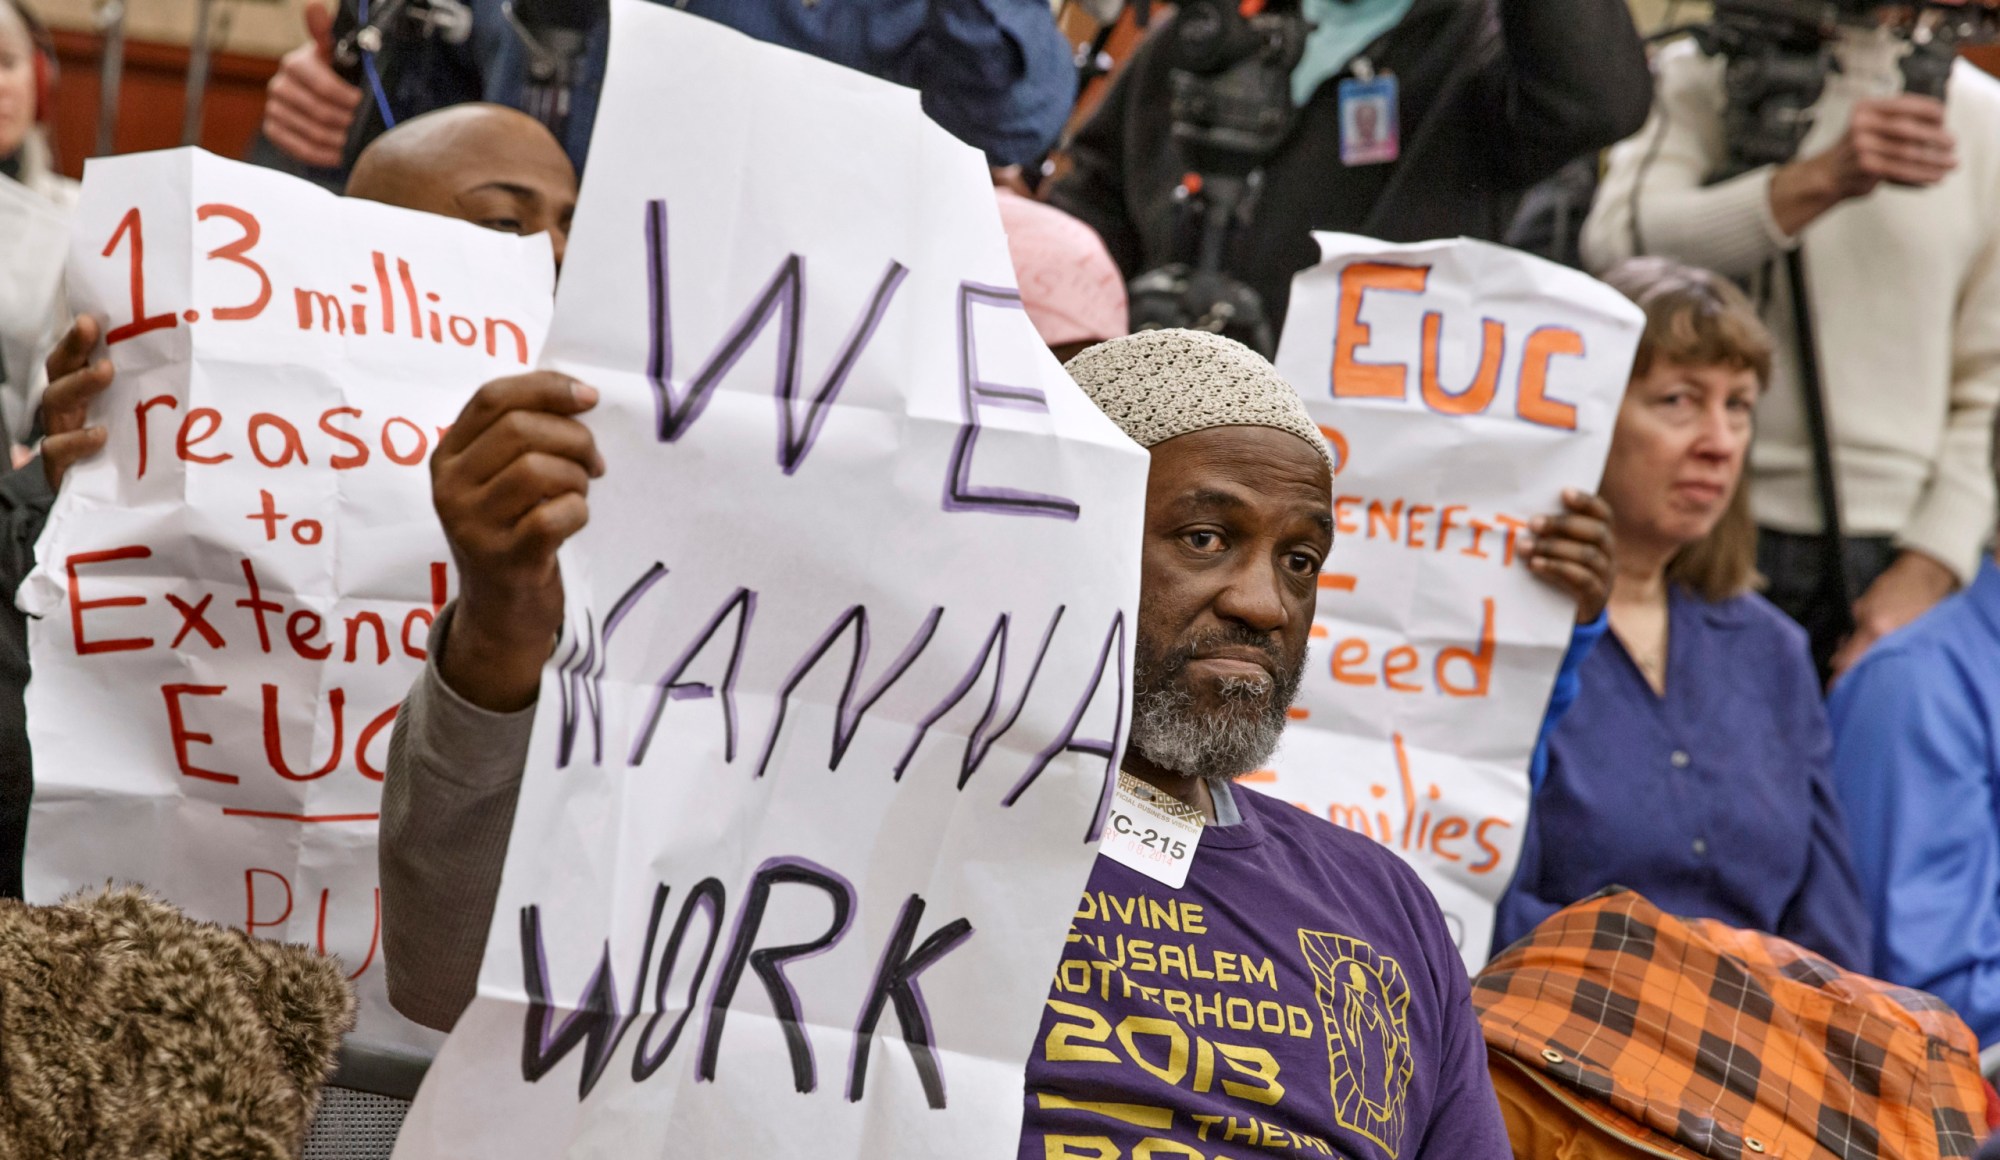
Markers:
point(1693, 765)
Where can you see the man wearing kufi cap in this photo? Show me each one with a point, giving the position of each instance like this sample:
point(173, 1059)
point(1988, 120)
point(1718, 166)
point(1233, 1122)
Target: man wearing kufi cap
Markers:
point(1311, 1001)
point(1298, 995)
point(1223, 617)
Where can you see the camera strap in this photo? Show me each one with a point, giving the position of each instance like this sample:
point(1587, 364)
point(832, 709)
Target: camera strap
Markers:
point(1833, 580)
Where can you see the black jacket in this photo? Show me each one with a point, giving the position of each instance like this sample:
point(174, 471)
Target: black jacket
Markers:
point(25, 498)
point(1494, 95)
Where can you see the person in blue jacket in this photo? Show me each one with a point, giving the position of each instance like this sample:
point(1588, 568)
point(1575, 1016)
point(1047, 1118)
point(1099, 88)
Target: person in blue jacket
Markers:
point(1692, 766)
point(997, 74)
point(1916, 761)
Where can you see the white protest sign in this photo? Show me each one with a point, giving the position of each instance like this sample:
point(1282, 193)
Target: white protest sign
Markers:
point(818, 769)
point(234, 597)
point(34, 236)
point(1462, 387)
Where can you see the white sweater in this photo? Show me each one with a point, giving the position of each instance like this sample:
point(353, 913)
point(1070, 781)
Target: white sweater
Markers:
point(1905, 289)
point(34, 312)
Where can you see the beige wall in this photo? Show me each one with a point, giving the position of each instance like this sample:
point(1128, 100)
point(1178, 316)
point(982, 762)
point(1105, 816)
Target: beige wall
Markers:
point(1651, 14)
point(255, 27)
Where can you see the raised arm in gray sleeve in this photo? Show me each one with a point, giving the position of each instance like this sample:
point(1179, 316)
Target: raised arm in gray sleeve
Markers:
point(447, 807)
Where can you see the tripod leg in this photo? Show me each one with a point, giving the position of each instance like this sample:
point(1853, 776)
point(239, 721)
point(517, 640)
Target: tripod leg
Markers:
point(111, 72)
point(199, 55)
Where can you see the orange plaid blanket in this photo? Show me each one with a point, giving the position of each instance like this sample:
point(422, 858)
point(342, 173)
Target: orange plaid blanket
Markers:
point(1688, 1038)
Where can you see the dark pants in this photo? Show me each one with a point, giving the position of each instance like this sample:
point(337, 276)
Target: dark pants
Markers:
point(1795, 567)
point(17, 779)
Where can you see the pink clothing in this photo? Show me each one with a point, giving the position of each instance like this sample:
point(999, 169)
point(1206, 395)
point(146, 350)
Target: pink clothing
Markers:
point(1071, 288)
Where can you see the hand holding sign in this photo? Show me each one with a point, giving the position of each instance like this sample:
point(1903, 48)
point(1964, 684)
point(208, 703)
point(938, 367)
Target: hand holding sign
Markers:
point(1573, 550)
point(510, 482)
point(75, 381)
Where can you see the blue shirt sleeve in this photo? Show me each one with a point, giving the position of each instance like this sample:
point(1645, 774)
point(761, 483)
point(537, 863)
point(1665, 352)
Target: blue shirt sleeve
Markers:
point(997, 74)
point(1569, 683)
point(1912, 764)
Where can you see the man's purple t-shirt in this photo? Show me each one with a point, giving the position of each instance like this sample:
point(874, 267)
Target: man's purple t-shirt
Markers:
point(1300, 996)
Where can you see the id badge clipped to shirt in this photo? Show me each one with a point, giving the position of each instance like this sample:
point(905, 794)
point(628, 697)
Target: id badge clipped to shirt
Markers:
point(1369, 132)
point(1156, 838)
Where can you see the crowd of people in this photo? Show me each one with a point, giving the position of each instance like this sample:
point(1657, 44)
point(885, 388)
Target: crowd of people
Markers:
point(1780, 708)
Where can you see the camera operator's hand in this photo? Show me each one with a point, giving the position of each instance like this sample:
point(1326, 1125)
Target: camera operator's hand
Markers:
point(307, 106)
point(74, 381)
point(509, 481)
point(1573, 551)
point(1900, 139)
point(1904, 591)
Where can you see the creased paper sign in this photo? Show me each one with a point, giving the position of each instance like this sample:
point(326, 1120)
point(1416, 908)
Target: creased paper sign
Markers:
point(1462, 386)
point(820, 763)
point(234, 596)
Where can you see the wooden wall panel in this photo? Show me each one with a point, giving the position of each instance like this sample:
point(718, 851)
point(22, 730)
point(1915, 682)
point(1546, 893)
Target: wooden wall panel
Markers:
point(151, 99)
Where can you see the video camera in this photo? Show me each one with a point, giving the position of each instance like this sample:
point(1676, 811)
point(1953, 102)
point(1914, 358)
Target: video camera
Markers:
point(1232, 107)
point(377, 42)
point(1780, 52)
point(554, 33)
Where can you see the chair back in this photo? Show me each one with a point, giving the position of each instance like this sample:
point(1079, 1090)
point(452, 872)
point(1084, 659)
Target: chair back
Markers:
point(362, 1107)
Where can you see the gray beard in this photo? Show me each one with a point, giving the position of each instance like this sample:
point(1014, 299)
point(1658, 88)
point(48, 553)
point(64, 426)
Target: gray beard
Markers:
point(1221, 745)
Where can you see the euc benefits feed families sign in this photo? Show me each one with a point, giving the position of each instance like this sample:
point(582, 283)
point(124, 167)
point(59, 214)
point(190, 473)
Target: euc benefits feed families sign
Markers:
point(1462, 386)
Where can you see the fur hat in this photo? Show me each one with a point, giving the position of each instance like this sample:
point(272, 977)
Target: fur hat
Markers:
point(128, 1030)
point(1157, 384)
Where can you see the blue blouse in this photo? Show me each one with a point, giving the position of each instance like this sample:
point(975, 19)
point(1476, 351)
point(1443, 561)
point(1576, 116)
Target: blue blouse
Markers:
point(1714, 801)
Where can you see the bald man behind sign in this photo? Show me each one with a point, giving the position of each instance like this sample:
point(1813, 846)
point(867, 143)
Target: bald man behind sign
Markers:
point(487, 164)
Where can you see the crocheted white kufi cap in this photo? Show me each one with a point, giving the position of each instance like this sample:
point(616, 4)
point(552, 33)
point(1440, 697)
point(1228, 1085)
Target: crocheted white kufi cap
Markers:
point(1157, 384)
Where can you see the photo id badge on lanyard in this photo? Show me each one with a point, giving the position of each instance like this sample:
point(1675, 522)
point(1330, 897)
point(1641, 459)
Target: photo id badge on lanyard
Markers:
point(1369, 134)
point(1149, 838)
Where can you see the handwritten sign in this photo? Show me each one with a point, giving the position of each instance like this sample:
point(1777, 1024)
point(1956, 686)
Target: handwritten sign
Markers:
point(820, 766)
point(235, 596)
point(1461, 386)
